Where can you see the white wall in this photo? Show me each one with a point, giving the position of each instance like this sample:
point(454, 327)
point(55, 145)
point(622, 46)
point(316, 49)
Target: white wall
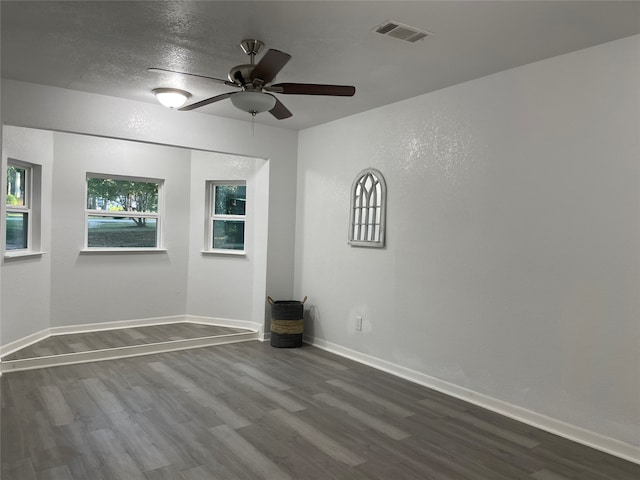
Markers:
point(51, 108)
point(41, 107)
point(222, 286)
point(25, 281)
point(100, 287)
point(513, 238)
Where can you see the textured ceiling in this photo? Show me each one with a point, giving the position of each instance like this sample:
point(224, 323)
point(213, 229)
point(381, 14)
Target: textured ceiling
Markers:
point(106, 47)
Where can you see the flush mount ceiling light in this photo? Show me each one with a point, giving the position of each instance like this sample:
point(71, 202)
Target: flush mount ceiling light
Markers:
point(253, 102)
point(171, 97)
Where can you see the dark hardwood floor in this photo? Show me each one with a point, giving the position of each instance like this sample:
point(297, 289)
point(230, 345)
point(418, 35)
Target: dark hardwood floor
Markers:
point(249, 411)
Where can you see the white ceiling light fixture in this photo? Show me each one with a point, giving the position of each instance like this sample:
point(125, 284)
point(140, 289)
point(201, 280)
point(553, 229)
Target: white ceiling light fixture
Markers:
point(253, 102)
point(171, 97)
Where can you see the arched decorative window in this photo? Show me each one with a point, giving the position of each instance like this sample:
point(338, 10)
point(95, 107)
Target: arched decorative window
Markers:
point(368, 209)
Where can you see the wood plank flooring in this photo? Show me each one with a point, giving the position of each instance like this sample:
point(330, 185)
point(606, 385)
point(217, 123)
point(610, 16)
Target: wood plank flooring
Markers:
point(248, 411)
point(96, 346)
point(117, 338)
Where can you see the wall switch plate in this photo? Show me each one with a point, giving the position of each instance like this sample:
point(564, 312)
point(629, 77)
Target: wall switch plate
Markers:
point(359, 324)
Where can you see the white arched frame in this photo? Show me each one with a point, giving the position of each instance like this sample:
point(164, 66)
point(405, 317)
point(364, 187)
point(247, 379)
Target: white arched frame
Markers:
point(368, 209)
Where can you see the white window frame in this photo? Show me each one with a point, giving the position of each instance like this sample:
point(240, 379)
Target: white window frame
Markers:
point(368, 214)
point(212, 216)
point(26, 208)
point(111, 214)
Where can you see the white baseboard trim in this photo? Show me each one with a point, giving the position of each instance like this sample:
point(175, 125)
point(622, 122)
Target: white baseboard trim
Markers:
point(23, 342)
point(572, 432)
point(114, 325)
point(224, 322)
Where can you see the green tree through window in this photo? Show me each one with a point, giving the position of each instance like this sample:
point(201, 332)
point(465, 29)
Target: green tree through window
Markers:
point(227, 212)
point(18, 207)
point(122, 212)
point(123, 195)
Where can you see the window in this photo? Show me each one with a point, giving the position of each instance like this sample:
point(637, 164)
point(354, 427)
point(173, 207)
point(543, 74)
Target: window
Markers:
point(226, 216)
point(368, 209)
point(122, 212)
point(18, 206)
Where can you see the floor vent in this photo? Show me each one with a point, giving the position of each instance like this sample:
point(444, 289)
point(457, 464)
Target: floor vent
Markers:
point(401, 31)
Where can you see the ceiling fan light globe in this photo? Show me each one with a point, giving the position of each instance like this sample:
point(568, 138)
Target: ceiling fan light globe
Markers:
point(253, 102)
point(171, 97)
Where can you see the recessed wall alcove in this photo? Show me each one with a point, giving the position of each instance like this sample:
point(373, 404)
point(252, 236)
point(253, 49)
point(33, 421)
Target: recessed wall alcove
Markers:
point(65, 287)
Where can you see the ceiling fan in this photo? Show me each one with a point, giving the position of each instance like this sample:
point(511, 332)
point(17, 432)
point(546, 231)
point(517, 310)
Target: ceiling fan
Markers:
point(254, 81)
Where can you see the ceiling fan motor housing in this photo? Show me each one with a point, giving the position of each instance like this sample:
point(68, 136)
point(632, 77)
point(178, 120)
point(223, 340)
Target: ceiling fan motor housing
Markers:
point(241, 74)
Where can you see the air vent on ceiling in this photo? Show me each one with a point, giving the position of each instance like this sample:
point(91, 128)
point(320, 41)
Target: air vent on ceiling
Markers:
point(401, 31)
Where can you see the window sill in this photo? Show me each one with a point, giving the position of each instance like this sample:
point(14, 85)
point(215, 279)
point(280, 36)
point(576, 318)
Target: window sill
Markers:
point(232, 253)
point(22, 254)
point(85, 251)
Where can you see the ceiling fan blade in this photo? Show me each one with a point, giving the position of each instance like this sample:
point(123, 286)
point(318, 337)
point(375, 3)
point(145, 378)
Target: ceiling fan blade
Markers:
point(164, 70)
point(269, 65)
point(206, 101)
point(280, 111)
point(313, 89)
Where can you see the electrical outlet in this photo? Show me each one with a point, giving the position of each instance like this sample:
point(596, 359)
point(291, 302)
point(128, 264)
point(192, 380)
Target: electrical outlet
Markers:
point(359, 324)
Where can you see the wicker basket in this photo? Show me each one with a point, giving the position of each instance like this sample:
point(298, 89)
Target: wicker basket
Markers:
point(287, 323)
